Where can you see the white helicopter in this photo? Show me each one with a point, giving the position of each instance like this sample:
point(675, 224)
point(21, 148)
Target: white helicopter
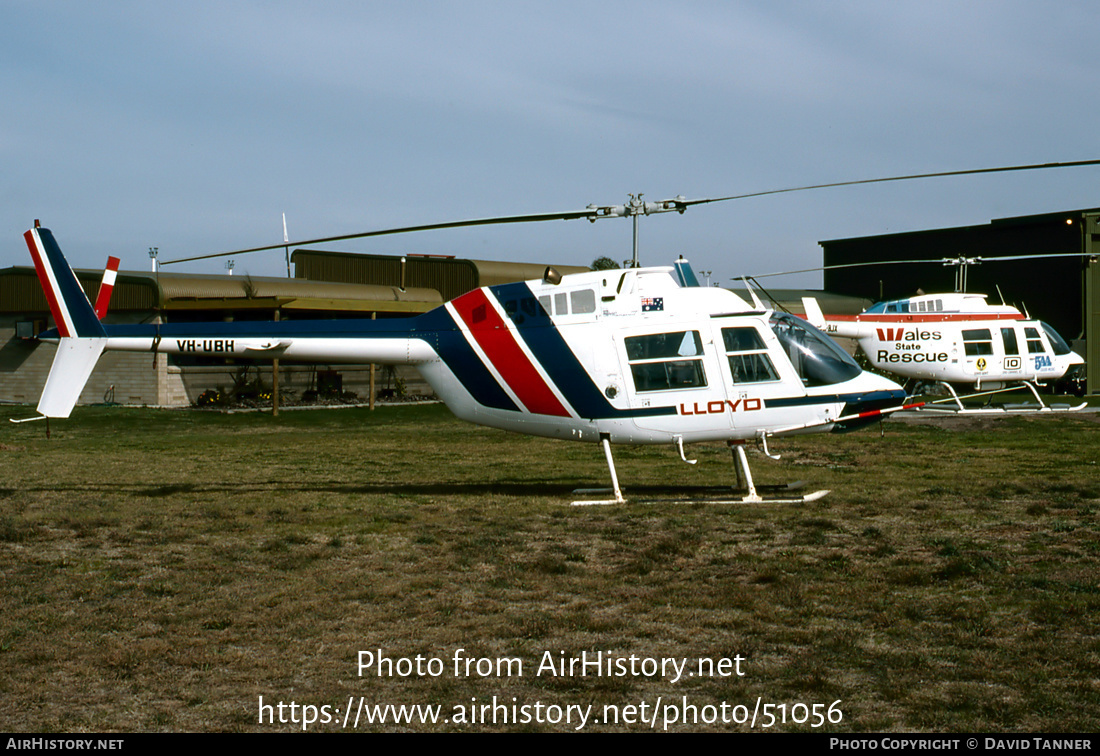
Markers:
point(957, 338)
point(635, 356)
point(626, 356)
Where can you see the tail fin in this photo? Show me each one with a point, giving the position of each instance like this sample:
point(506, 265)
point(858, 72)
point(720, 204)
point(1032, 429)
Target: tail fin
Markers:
point(72, 312)
point(82, 335)
point(813, 312)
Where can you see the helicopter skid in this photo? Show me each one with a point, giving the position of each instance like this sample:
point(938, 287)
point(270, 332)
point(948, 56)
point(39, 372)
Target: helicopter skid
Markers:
point(746, 492)
point(1008, 409)
point(596, 502)
point(774, 495)
point(762, 495)
point(953, 404)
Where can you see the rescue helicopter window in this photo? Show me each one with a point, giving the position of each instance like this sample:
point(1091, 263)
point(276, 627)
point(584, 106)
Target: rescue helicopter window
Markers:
point(545, 302)
point(816, 358)
point(977, 341)
point(1034, 343)
point(1009, 337)
point(654, 364)
point(1057, 343)
point(561, 303)
point(747, 354)
point(583, 301)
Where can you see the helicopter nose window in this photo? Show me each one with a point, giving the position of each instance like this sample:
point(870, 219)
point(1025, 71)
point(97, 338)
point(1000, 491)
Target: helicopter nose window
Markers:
point(817, 359)
point(657, 361)
point(1057, 343)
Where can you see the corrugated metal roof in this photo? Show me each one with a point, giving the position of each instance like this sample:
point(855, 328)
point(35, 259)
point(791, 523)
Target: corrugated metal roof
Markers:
point(175, 287)
point(492, 272)
point(451, 277)
point(135, 290)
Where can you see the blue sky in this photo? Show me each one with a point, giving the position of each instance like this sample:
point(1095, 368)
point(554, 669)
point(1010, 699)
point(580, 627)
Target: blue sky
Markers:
point(193, 126)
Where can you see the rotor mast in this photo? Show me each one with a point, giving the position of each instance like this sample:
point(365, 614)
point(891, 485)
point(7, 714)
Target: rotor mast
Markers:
point(635, 207)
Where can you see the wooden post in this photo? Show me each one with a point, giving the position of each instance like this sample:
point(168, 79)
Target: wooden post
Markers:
point(275, 380)
point(372, 317)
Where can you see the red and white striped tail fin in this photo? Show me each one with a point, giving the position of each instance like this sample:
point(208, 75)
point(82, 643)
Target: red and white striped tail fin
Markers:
point(83, 337)
point(72, 312)
point(106, 286)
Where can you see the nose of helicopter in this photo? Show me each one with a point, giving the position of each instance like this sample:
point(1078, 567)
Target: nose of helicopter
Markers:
point(868, 397)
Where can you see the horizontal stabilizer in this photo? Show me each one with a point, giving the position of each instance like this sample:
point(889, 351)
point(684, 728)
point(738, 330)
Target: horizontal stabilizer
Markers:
point(268, 348)
point(71, 368)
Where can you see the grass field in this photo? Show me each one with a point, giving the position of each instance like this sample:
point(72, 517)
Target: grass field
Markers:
point(163, 570)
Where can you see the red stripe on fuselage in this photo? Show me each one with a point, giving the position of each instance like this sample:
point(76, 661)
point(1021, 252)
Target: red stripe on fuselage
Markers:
point(926, 317)
point(499, 345)
point(47, 287)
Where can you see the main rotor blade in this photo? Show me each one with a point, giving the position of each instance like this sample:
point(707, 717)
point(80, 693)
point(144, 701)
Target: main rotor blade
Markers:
point(592, 212)
point(532, 218)
point(1002, 169)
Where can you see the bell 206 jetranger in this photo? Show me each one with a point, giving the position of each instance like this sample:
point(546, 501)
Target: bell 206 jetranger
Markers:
point(622, 356)
point(956, 338)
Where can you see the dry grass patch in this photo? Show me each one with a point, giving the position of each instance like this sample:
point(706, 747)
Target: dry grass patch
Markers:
point(165, 569)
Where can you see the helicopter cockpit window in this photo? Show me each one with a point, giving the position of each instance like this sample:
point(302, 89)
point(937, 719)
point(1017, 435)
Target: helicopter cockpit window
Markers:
point(1057, 343)
point(664, 361)
point(748, 356)
point(1034, 343)
point(815, 357)
point(977, 341)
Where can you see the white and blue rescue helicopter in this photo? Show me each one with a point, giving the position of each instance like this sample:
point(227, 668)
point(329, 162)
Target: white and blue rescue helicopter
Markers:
point(956, 339)
point(634, 356)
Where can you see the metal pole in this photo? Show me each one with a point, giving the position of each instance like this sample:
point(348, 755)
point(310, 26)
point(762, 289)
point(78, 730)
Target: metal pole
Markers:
point(634, 264)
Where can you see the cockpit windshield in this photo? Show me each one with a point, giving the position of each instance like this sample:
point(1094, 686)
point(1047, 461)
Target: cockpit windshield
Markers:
point(816, 358)
point(1057, 343)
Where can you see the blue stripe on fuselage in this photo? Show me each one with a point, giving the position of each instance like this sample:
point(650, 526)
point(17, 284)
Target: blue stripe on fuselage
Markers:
point(557, 360)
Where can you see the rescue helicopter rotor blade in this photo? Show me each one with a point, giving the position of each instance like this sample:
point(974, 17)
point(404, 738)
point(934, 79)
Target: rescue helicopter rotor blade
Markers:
point(930, 261)
point(631, 209)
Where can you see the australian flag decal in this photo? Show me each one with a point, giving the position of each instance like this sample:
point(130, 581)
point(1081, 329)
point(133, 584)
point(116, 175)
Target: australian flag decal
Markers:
point(653, 304)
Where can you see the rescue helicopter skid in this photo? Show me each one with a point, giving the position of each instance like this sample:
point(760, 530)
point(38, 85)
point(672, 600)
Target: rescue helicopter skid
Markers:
point(622, 356)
